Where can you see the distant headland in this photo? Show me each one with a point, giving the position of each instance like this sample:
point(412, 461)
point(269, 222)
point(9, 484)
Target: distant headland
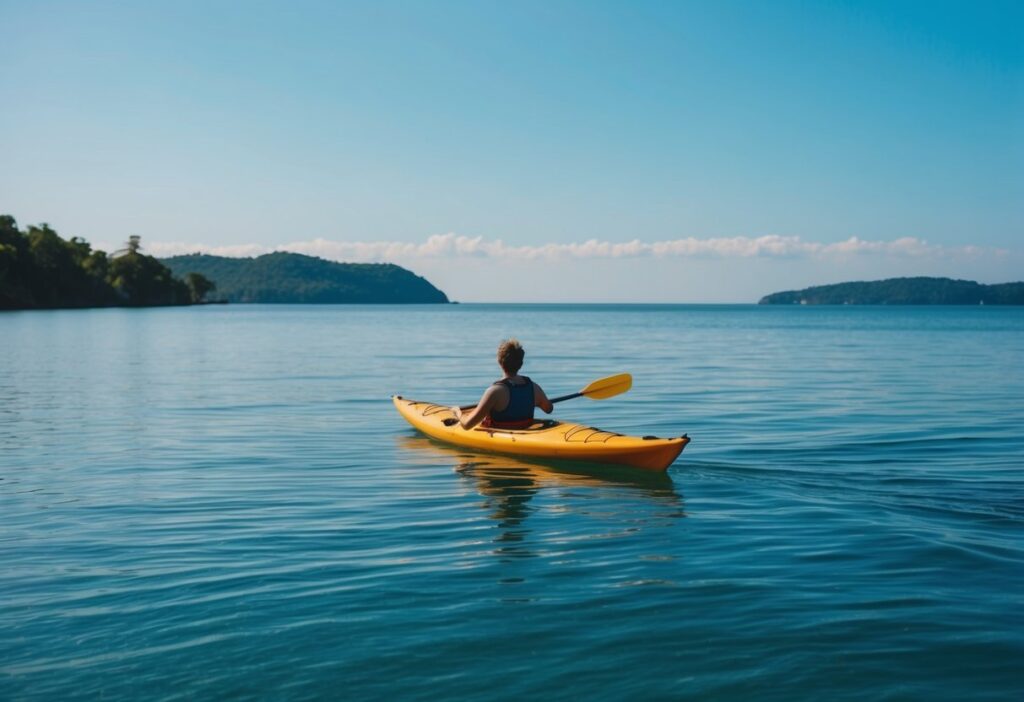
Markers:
point(295, 278)
point(902, 291)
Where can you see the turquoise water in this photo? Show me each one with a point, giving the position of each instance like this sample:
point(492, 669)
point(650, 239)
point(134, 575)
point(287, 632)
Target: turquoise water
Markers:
point(221, 502)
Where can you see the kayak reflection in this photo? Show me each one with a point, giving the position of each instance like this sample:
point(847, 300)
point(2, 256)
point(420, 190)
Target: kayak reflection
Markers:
point(561, 472)
point(587, 502)
point(509, 483)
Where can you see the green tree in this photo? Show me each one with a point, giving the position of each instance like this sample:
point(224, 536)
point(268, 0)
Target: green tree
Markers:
point(12, 245)
point(199, 285)
point(131, 247)
point(57, 279)
point(141, 280)
point(9, 234)
point(40, 269)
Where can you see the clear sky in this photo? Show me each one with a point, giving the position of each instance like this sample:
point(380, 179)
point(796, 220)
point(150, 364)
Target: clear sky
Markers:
point(709, 151)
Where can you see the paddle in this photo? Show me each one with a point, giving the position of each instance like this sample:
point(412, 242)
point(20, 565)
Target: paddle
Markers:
point(598, 390)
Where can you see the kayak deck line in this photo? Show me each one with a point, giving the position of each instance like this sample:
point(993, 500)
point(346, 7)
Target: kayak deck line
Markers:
point(573, 433)
point(546, 438)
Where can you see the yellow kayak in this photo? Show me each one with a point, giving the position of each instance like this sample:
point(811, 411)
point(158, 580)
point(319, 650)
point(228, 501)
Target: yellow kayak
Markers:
point(547, 438)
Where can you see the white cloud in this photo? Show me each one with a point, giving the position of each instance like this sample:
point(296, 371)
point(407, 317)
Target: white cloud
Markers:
point(457, 246)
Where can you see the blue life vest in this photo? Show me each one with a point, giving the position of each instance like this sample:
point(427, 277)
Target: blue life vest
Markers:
point(520, 404)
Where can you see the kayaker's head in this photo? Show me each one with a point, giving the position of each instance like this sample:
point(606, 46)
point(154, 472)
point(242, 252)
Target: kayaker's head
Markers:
point(510, 356)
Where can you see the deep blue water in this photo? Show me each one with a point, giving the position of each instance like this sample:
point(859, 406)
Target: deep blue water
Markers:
point(221, 502)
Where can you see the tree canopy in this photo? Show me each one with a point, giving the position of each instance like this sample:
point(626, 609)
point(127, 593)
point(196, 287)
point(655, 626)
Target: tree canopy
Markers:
point(39, 269)
point(199, 286)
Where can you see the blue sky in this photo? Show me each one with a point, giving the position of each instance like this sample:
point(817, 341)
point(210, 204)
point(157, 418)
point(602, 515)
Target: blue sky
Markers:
point(707, 133)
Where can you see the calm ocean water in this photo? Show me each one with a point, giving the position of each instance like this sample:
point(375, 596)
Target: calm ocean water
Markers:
point(221, 502)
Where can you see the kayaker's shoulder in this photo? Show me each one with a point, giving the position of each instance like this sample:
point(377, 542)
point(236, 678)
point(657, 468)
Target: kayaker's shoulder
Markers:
point(495, 390)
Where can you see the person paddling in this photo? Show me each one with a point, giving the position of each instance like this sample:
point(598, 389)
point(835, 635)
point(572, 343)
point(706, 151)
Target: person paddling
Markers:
point(509, 402)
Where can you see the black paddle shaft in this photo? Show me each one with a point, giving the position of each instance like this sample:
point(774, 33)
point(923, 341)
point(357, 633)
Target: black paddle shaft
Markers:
point(567, 397)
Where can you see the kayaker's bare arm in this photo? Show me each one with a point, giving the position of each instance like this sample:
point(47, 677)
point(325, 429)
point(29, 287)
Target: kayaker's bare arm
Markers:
point(541, 400)
point(470, 418)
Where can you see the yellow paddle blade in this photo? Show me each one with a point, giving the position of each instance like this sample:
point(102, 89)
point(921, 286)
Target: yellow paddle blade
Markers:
point(608, 387)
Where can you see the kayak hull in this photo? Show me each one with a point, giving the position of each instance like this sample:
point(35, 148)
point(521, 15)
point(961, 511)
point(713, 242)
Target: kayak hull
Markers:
point(545, 439)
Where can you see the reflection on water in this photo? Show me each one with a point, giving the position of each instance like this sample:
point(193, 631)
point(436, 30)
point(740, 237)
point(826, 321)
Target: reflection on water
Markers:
point(507, 499)
point(576, 505)
point(507, 496)
point(563, 473)
point(509, 484)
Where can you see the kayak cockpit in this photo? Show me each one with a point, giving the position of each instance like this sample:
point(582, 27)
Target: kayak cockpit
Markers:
point(538, 425)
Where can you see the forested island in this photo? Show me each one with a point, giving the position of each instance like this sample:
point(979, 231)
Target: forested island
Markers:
point(296, 278)
point(41, 270)
point(903, 291)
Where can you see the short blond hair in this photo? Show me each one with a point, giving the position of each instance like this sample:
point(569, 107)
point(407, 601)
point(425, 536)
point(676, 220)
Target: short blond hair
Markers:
point(510, 356)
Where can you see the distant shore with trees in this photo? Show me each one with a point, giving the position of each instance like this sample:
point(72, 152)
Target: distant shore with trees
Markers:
point(903, 291)
point(41, 270)
point(290, 278)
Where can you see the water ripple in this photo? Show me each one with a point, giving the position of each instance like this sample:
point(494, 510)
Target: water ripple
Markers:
point(222, 503)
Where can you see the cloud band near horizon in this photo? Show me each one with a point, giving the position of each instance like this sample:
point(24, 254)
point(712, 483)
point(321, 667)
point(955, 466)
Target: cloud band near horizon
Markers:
point(457, 246)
